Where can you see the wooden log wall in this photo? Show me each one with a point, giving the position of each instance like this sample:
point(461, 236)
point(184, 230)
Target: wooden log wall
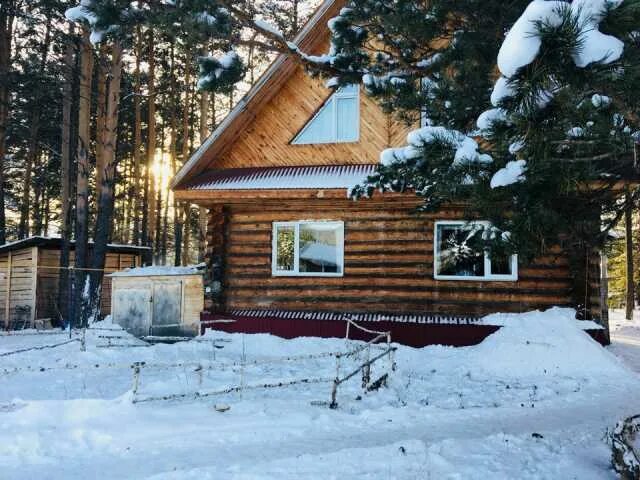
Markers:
point(215, 258)
point(388, 268)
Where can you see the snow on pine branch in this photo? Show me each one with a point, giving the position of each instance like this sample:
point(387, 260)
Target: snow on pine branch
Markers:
point(522, 46)
point(219, 73)
point(267, 27)
point(522, 43)
point(466, 148)
point(512, 172)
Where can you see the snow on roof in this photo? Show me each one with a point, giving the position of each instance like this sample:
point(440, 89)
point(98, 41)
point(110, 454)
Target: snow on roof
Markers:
point(323, 176)
point(39, 240)
point(157, 270)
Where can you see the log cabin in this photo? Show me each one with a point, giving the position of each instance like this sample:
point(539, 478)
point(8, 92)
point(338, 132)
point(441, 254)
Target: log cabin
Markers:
point(290, 254)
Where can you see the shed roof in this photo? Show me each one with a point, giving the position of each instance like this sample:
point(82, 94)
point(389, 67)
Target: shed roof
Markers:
point(262, 91)
point(277, 178)
point(56, 242)
point(160, 271)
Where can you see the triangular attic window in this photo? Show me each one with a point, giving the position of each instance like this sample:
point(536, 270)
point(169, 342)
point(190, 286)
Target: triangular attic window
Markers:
point(337, 121)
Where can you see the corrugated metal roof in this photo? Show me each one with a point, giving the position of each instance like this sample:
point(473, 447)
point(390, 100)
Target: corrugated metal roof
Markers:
point(267, 178)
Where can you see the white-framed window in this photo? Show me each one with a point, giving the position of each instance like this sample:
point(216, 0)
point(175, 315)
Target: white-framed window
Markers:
point(337, 121)
point(458, 255)
point(308, 248)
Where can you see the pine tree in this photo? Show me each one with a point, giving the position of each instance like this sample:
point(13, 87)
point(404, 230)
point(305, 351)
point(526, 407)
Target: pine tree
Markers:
point(540, 150)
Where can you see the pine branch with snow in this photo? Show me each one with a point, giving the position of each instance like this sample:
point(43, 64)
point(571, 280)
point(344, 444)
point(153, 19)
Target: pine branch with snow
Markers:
point(558, 124)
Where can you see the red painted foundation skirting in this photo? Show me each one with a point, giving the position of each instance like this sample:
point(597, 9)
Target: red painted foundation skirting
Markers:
point(405, 333)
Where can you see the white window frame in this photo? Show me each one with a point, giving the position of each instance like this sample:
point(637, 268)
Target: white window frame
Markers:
point(333, 101)
point(488, 276)
point(296, 249)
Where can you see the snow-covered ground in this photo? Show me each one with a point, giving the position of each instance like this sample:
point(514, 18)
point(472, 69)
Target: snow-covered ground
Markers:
point(533, 401)
point(625, 337)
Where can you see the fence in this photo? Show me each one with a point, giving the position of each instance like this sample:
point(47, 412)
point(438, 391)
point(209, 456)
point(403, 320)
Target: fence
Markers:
point(372, 352)
point(364, 367)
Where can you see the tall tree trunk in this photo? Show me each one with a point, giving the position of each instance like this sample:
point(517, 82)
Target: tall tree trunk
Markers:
point(7, 16)
point(148, 225)
point(47, 211)
point(157, 252)
point(106, 198)
point(128, 202)
point(182, 234)
point(37, 209)
point(82, 181)
point(137, 139)
point(101, 115)
point(65, 180)
point(158, 199)
point(628, 223)
point(33, 147)
point(202, 211)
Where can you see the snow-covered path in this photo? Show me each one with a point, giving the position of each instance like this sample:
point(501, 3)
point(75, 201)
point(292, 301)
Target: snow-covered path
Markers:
point(473, 413)
point(625, 338)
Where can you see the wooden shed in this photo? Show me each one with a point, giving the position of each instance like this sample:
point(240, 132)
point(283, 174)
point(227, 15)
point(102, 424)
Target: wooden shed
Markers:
point(30, 273)
point(158, 301)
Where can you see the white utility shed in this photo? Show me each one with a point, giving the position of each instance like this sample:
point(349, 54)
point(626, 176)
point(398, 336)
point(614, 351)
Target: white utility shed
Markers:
point(158, 301)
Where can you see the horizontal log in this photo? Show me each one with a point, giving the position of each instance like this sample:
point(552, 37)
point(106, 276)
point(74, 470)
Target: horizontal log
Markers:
point(349, 214)
point(356, 293)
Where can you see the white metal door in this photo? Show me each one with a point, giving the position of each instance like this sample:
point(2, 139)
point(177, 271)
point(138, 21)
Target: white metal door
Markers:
point(131, 310)
point(167, 308)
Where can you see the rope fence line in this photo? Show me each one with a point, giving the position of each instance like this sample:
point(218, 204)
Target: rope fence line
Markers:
point(234, 389)
point(40, 347)
point(71, 267)
point(200, 367)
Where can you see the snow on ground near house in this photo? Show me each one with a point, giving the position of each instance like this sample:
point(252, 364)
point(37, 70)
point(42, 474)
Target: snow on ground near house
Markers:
point(625, 337)
point(534, 400)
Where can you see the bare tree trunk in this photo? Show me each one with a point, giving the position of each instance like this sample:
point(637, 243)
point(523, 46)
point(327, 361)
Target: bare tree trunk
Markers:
point(137, 139)
point(148, 224)
point(158, 201)
point(82, 181)
point(101, 115)
point(181, 254)
point(158, 227)
point(202, 211)
point(36, 211)
point(47, 211)
point(33, 148)
point(630, 295)
point(106, 198)
point(7, 16)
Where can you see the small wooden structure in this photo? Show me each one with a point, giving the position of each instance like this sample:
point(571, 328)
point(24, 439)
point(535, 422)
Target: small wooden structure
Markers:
point(30, 273)
point(158, 301)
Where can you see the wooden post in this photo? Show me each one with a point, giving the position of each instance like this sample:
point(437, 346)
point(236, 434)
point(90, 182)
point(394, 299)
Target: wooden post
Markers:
point(34, 284)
